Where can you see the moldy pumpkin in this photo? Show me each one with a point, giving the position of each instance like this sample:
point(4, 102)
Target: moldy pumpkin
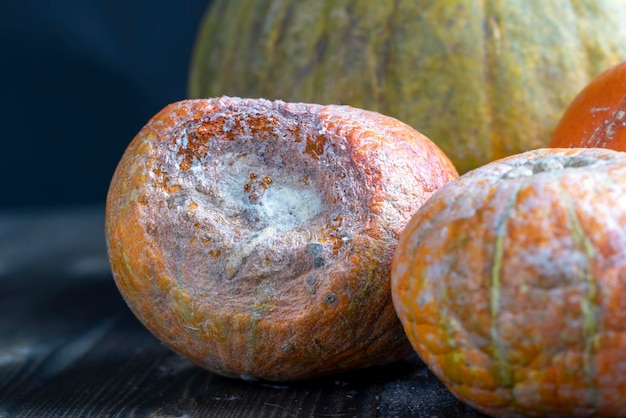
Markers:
point(255, 237)
point(511, 284)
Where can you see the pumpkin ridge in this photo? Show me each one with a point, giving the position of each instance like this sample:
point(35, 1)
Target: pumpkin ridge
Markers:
point(589, 306)
point(318, 55)
point(490, 31)
point(230, 57)
point(383, 67)
point(411, 247)
point(494, 288)
point(561, 314)
point(320, 51)
point(588, 48)
point(269, 30)
point(448, 322)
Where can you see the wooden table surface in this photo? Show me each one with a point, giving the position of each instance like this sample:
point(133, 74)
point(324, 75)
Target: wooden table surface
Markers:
point(69, 346)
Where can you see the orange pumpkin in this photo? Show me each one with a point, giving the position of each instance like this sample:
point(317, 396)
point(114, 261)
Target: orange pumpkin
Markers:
point(597, 115)
point(511, 284)
point(256, 237)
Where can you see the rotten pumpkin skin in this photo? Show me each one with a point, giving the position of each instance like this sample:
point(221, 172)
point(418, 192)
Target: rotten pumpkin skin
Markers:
point(596, 118)
point(483, 80)
point(510, 284)
point(255, 237)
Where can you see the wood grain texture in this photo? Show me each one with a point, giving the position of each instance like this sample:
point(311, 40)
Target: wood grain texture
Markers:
point(69, 347)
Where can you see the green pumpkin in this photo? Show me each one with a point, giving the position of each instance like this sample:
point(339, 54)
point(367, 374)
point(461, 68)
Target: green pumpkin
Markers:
point(482, 79)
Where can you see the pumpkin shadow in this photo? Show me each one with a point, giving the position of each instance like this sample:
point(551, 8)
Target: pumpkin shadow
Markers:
point(73, 347)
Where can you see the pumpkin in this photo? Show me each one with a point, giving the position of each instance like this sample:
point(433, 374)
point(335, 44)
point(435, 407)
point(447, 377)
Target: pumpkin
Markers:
point(510, 284)
point(597, 115)
point(481, 79)
point(255, 237)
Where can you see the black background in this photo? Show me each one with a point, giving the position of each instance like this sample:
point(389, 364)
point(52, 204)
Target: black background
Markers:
point(78, 79)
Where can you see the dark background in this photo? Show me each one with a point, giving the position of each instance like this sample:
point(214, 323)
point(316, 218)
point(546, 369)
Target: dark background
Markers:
point(78, 79)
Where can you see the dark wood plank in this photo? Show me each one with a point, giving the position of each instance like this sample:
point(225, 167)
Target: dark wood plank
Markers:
point(56, 243)
point(70, 347)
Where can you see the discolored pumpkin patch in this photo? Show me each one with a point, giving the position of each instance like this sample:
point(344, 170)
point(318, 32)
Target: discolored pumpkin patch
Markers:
point(255, 237)
point(597, 115)
point(510, 284)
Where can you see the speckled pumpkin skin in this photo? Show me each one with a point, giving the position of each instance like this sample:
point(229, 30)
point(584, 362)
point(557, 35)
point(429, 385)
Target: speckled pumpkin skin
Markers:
point(597, 115)
point(482, 79)
point(511, 284)
point(256, 237)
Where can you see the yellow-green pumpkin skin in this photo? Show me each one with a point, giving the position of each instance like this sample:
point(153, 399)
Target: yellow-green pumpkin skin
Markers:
point(481, 79)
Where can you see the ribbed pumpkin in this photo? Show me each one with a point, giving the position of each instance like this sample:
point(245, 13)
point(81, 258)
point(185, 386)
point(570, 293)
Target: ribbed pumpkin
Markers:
point(510, 283)
point(482, 79)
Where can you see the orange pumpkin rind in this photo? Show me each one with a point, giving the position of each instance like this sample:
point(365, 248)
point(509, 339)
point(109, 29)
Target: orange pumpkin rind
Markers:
point(255, 237)
point(510, 283)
